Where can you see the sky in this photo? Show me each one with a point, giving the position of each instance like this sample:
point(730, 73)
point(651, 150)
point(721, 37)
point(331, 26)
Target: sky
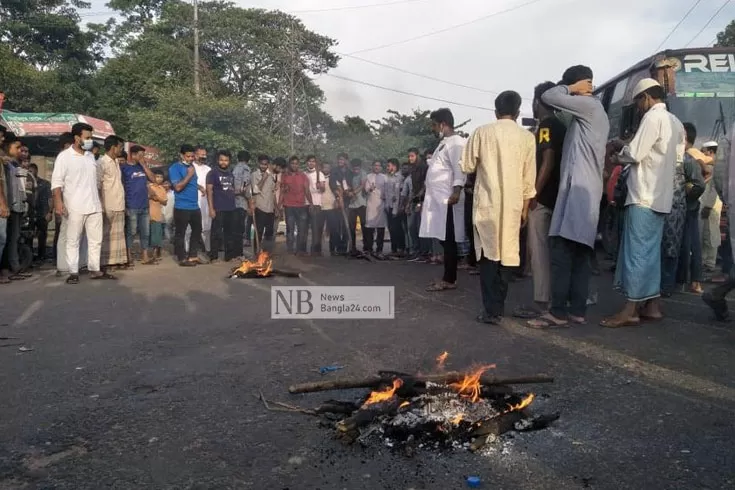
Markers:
point(501, 45)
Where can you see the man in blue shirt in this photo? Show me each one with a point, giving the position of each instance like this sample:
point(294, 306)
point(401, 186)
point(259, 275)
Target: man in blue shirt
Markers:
point(135, 178)
point(183, 178)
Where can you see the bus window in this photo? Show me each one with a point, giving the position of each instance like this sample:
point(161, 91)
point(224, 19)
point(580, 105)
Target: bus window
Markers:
point(615, 107)
point(629, 121)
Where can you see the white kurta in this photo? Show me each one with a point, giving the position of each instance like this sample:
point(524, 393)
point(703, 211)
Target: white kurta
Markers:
point(375, 211)
point(443, 175)
point(202, 171)
point(503, 155)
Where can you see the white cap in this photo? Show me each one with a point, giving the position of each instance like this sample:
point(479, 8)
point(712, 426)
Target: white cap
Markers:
point(644, 85)
point(710, 144)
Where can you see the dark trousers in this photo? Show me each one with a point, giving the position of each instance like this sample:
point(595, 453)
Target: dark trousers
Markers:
point(726, 254)
point(669, 266)
point(369, 235)
point(42, 234)
point(248, 227)
point(316, 223)
point(241, 215)
point(469, 228)
point(404, 231)
point(395, 228)
point(337, 230)
point(494, 278)
point(12, 246)
point(355, 213)
point(690, 256)
point(297, 222)
point(223, 233)
point(451, 253)
point(570, 270)
point(182, 219)
point(264, 223)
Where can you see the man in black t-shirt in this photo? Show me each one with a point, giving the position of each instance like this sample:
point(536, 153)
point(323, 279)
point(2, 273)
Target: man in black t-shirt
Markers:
point(549, 142)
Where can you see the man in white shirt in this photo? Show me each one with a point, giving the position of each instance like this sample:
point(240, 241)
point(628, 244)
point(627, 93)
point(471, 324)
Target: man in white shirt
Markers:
point(74, 187)
point(653, 154)
point(263, 202)
point(442, 212)
point(317, 185)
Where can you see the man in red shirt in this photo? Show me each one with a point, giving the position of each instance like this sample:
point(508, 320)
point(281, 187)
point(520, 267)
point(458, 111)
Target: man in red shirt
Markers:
point(293, 199)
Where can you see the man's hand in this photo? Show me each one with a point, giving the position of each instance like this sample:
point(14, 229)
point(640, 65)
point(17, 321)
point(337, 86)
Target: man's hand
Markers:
point(4, 211)
point(532, 204)
point(617, 145)
point(60, 210)
point(201, 189)
point(212, 213)
point(251, 206)
point(190, 171)
point(524, 218)
point(582, 87)
point(706, 212)
point(453, 199)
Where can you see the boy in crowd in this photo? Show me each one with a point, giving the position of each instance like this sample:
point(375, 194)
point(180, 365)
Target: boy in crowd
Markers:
point(221, 200)
point(157, 199)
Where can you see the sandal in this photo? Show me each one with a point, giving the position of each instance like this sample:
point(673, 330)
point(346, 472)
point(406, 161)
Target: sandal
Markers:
point(104, 275)
point(73, 279)
point(17, 277)
point(4, 280)
point(441, 286)
point(526, 313)
point(149, 262)
point(612, 323)
point(577, 320)
point(547, 321)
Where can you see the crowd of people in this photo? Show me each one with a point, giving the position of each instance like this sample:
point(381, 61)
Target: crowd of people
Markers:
point(503, 201)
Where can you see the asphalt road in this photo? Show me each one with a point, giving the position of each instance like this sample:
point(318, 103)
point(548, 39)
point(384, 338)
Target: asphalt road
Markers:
point(149, 382)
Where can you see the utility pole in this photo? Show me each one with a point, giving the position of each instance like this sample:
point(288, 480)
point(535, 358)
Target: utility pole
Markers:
point(196, 48)
point(292, 97)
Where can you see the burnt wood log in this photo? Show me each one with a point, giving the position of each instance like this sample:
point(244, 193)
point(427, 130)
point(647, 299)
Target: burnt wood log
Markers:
point(282, 273)
point(335, 406)
point(498, 425)
point(367, 414)
point(375, 381)
point(536, 423)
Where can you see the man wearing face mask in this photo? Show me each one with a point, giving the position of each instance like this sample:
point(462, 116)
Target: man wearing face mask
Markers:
point(653, 154)
point(75, 175)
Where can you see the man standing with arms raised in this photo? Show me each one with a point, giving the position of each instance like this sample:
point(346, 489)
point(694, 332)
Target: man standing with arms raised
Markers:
point(576, 214)
point(74, 187)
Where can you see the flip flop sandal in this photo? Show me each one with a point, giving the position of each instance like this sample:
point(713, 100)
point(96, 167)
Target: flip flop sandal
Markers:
point(17, 277)
point(72, 279)
point(441, 286)
point(545, 321)
point(609, 323)
point(24, 274)
point(526, 313)
point(104, 276)
point(474, 272)
point(149, 262)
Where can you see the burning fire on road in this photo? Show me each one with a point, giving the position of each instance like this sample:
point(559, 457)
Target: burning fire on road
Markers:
point(262, 267)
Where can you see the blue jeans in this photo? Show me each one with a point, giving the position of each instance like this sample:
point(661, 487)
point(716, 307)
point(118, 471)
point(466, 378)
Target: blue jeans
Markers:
point(690, 258)
point(297, 219)
point(137, 220)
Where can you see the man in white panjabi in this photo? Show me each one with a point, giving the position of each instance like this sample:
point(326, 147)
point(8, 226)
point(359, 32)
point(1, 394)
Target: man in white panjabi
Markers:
point(76, 197)
point(503, 155)
point(442, 213)
point(709, 224)
point(375, 218)
point(202, 169)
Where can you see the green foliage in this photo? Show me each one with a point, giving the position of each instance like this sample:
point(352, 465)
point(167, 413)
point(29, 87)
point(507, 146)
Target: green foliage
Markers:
point(726, 38)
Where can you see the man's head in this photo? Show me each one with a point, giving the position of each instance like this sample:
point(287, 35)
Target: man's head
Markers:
point(223, 159)
point(3, 130)
point(82, 134)
point(326, 168)
point(710, 148)
point(96, 150)
point(508, 105)
point(377, 166)
point(691, 132)
point(311, 162)
point(578, 73)
point(113, 146)
point(33, 168)
point(539, 108)
point(428, 154)
point(243, 156)
point(406, 169)
point(356, 164)
point(122, 159)
point(342, 159)
point(442, 122)
point(413, 156)
point(201, 155)
point(186, 152)
point(11, 145)
point(137, 154)
point(25, 156)
point(263, 162)
point(65, 141)
point(294, 164)
point(647, 93)
point(392, 165)
point(279, 165)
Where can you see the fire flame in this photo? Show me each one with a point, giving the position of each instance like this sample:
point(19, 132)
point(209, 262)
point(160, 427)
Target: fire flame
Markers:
point(470, 386)
point(456, 420)
point(386, 394)
point(523, 404)
point(404, 404)
point(440, 360)
point(262, 266)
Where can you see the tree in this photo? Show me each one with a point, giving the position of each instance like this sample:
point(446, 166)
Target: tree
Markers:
point(726, 38)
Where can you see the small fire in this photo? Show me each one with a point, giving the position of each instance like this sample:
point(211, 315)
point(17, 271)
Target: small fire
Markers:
point(404, 404)
point(440, 360)
point(470, 386)
point(524, 403)
point(386, 394)
point(456, 420)
point(262, 266)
